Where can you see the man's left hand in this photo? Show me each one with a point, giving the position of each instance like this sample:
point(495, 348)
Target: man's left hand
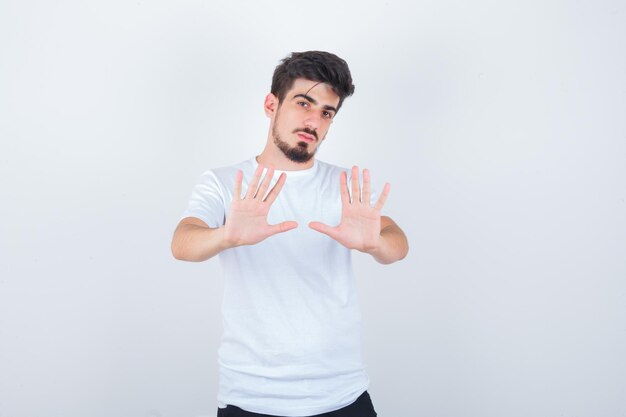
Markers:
point(360, 222)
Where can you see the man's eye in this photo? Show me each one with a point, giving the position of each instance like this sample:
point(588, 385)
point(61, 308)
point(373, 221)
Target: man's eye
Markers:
point(303, 104)
point(327, 115)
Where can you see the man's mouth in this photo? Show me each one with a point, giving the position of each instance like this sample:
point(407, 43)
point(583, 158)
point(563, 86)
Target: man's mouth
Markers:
point(306, 137)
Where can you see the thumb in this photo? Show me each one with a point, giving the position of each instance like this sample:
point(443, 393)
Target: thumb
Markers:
point(282, 227)
point(323, 228)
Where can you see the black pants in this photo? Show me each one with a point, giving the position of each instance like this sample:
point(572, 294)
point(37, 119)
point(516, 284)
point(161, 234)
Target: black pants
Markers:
point(362, 407)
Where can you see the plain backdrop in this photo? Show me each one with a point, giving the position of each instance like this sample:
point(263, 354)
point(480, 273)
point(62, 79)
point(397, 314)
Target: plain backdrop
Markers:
point(500, 125)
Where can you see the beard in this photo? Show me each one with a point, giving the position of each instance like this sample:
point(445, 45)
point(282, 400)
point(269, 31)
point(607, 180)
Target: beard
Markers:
point(299, 153)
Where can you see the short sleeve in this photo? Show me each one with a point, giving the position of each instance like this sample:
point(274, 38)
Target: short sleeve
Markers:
point(207, 201)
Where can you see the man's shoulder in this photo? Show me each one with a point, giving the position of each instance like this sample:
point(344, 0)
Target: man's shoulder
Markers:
point(331, 168)
point(227, 172)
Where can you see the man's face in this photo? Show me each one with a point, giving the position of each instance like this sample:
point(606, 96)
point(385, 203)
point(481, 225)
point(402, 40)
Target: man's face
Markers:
point(302, 119)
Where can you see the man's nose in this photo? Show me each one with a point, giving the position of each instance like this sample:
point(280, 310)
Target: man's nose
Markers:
point(312, 120)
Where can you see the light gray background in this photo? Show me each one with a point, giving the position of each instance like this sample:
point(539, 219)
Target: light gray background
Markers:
point(500, 125)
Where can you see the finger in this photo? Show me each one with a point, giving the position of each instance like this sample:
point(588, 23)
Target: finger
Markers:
point(265, 183)
point(254, 182)
point(282, 227)
point(383, 197)
point(237, 190)
point(271, 196)
point(343, 188)
point(366, 187)
point(324, 228)
point(356, 189)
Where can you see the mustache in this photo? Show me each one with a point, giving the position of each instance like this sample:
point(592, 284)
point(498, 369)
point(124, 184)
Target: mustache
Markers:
point(307, 130)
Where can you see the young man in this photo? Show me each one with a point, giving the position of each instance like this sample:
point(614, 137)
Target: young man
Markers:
point(291, 341)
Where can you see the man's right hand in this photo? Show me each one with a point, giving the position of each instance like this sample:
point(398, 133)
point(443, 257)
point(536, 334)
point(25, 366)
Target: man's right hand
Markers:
point(246, 223)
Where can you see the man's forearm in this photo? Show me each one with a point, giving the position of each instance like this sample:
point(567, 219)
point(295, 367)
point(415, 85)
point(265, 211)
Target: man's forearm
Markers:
point(197, 243)
point(393, 245)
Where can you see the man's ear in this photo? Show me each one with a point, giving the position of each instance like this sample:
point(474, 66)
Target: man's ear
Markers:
point(270, 105)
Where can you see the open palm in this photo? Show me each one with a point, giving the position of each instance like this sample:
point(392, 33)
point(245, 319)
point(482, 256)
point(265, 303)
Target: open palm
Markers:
point(246, 223)
point(360, 222)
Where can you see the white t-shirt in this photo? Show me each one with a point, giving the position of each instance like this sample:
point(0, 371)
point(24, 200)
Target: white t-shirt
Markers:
point(291, 344)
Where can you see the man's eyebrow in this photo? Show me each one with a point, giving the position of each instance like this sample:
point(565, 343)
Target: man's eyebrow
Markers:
point(312, 100)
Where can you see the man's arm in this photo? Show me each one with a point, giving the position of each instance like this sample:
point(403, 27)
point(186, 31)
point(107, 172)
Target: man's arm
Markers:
point(362, 227)
point(246, 222)
point(394, 245)
point(195, 241)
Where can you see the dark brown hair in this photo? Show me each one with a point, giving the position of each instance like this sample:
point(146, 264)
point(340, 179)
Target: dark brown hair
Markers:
point(315, 66)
